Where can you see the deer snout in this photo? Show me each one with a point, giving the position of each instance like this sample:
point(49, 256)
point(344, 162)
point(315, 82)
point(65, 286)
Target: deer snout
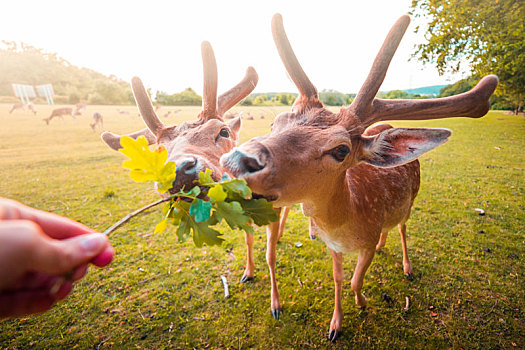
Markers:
point(187, 170)
point(240, 163)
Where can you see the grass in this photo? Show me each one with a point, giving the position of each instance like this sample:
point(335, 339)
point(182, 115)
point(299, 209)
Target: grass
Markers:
point(468, 292)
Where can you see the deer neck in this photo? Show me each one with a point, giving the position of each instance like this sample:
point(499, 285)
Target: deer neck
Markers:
point(334, 207)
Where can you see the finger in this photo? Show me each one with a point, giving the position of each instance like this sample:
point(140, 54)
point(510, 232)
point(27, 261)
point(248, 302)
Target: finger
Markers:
point(79, 272)
point(53, 225)
point(16, 304)
point(63, 291)
point(58, 257)
point(105, 257)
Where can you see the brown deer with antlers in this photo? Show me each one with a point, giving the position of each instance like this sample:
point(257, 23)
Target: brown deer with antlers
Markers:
point(354, 182)
point(195, 145)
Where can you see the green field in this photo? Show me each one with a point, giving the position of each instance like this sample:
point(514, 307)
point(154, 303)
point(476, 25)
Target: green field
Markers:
point(468, 290)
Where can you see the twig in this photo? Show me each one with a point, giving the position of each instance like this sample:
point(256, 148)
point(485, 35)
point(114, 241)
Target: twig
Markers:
point(128, 217)
point(225, 285)
point(492, 309)
point(407, 304)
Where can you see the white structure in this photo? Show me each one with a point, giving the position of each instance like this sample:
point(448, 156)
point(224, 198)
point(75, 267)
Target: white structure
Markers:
point(47, 92)
point(24, 92)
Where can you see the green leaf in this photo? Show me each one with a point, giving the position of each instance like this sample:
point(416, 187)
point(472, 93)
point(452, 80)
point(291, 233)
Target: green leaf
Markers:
point(233, 214)
point(260, 210)
point(217, 193)
point(238, 186)
point(205, 178)
point(184, 229)
point(200, 209)
point(202, 233)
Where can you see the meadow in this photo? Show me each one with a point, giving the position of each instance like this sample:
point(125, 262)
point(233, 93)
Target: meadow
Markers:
point(468, 291)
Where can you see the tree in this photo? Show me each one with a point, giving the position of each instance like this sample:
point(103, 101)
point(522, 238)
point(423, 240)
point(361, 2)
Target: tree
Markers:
point(187, 97)
point(24, 64)
point(333, 98)
point(487, 36)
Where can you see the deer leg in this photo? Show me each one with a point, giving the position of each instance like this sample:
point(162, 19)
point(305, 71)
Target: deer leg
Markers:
point(250, 265)
point(282, 222)
point(407, 266)
point(382, 240)
point(312, 229)
point(272, 236)
point(363, 263)
point(337, 318)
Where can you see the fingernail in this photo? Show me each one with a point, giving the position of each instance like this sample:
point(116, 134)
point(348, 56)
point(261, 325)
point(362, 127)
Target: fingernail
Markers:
point(92, 242)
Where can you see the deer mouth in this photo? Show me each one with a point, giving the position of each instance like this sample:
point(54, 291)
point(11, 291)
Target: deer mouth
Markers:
point(269, 198)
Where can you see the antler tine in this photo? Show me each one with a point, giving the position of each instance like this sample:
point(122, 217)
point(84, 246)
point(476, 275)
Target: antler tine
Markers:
point(113, 140)
point(306, 89)
point(472, 104)
point(231, 97)
point(366, 94)
point(145, 107)
point(209, 96)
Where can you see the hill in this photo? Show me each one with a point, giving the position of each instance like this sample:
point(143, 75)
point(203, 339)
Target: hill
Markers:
point(426, 90)
point(25, 64)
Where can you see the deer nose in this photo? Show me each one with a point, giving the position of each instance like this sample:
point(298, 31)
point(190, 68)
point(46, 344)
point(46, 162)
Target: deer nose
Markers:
point(240, 163)
point(250, 164)
point(188, 166)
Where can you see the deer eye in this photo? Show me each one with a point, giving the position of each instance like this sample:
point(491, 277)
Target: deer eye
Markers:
point(340, 152)
point(224, 132)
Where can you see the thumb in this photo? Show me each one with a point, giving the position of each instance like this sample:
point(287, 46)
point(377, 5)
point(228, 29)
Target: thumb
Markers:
point(61, 256)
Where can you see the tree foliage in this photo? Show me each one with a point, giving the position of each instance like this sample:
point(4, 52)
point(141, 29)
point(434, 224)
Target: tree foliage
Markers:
point(187, 97)
point(25, 64)
point(487, 36)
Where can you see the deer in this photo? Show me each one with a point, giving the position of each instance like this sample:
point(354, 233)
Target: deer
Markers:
point(81, 107)
point(194, 145)
point(98, 121)
point(30, 107)
point(354, 180)
point(61, 112)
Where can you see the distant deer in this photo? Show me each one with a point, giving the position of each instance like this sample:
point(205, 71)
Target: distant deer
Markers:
point(61, 112)
point(355, 182)
point(167, 114)
point(30, 107)
point(249, 117)
point(261, 116)
point(80, 107)
point(123, 112)
point(98, 121)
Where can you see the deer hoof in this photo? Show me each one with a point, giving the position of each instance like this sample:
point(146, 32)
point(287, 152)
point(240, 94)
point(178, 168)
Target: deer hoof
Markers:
point(410, 276)
point(333, 335)
point(276, 313)
point(245, 279)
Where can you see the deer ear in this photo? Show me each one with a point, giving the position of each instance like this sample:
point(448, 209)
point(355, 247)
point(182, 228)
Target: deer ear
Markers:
point(235, 125)
point(395, 147)
point(113, 140)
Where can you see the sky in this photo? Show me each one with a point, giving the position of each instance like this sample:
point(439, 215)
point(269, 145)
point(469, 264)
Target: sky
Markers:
point(159, 41)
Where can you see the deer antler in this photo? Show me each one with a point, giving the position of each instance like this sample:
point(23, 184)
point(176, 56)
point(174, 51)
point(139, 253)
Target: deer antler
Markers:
point(368, 110)
point(145, 107)
point(209, 96)
point(308, 93)
point(231, 97)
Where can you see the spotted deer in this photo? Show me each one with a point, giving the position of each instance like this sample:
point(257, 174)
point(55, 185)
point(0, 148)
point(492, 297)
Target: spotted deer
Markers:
point(98, 122)
point(61, 112)
point(30, 107)
point(355, 182)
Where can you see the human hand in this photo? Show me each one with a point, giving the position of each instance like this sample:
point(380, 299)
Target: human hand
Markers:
point(36, 249)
